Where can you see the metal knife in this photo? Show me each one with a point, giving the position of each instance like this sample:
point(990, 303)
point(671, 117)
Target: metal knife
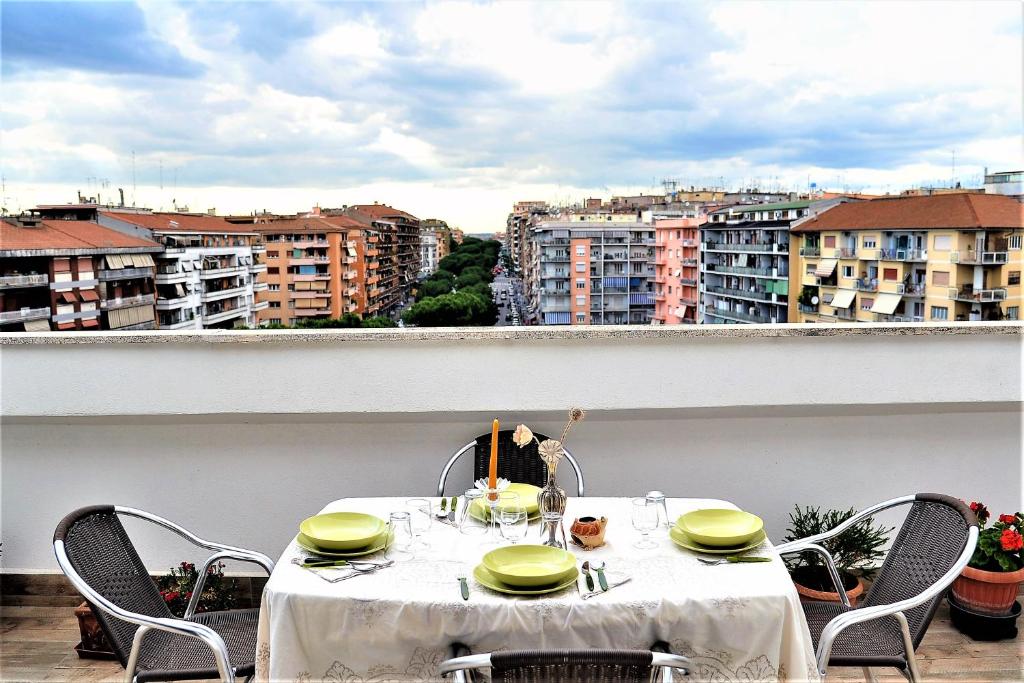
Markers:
point(747, 558)
point(464, 587)
point(451, 514)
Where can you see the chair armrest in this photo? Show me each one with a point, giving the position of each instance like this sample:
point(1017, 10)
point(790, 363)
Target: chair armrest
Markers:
point(247, 556)
point(830, 564)
point(864, 514)
point(183, 628)
point(192, 538)
point(858, 616)
point(456, 650)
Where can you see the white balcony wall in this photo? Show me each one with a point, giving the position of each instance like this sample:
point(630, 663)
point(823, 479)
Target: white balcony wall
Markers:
point(240, 435)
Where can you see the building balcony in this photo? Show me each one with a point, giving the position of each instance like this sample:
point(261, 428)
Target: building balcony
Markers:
point(977, 295)
point(748, 247)
point(311, 312)
point(259, 248)
point(260, 305)
point(866, 285)
point(349, 260)
point(221, 316)
point(16, 281)
point(902, 255)
point(810, 251)
point(217, 295)
point(249, 396)
point(351, 291)
point(188, 322)
point(302, 261)
point(349, 275)
point(846, 252)
point(258, 268)
point(914, 289)
point(985, 258)
point(259, 286)
point(309, 294)
point(309, 244)
point(739, 315)
point(688, 281)
point(755, 294)
point(24, 314)
point(739, 270)
point(211, 273)
point(898, 318)
point(172, 304)
point(689, 262)
point(122, 302)
point(124, 274)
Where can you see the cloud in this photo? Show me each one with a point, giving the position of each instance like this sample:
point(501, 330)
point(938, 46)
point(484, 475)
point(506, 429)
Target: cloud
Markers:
point(106, 37)
point(487, 101)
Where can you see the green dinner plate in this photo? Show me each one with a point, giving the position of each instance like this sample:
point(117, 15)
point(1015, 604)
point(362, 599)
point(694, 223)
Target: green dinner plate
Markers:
point(378, 544)
point(720, 527)
point(488, 580)
point(680, 538)
point(479, 510)
point(529, 565)
point(342, 530)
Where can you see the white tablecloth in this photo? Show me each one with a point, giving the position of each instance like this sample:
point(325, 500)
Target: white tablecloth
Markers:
point(737, 622)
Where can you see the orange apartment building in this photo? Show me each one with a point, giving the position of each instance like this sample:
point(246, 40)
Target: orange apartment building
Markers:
point(398, 255)
point(676, 277)
point(315, 267)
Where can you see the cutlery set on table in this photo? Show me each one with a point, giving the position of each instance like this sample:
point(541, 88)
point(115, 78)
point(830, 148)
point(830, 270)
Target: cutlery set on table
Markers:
point(333, 541)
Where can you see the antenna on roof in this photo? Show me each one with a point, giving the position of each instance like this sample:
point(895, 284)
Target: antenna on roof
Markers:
point(133, 177)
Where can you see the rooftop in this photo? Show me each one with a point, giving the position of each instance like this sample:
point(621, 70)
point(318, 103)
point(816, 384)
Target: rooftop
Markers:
point(178, 222)
point(309, 224)
point(377, 211)
point(962, 211)
point(73, 237)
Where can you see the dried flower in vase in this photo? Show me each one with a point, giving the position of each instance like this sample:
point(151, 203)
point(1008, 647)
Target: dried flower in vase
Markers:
point(550, 450)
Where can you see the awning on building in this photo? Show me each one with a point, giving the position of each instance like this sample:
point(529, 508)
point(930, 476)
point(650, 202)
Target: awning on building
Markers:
point(843, 298)
point(186, 265)
point(351, 251)
point(886, 303)
point(89, 295)
point(68, 297)
point(114, 261)
point(144, 261)
point(70, 325)
point(826, 267)
point(37, 326)
point(179, 290)
point(90, 322)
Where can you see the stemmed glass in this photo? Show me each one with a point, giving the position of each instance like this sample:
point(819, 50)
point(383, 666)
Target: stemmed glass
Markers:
point(421, 516)
point(402, 537)
point(513, 518)
point(645, 520)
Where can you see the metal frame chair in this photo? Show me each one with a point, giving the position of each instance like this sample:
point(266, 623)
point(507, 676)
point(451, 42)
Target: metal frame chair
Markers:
point(567, 665)
point(906, 592)
point(121, 571)
point(522, 465)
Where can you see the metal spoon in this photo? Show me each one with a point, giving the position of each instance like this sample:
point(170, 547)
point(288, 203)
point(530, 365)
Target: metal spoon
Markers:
point(587, 576)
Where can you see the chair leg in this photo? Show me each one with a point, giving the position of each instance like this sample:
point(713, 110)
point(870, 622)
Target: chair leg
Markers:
point(912, 673)
point(869, 675)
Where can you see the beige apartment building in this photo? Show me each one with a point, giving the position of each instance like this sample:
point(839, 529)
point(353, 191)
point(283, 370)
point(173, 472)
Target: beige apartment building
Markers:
point(910, 259)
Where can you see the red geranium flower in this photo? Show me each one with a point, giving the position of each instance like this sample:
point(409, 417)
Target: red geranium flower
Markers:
point(980, 511)
point(1007, 519)
point(1011, 540)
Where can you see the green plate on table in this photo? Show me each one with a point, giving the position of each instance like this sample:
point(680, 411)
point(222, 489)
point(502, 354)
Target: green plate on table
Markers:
point(488, 580)
point(720, 527)
point(680, 538)
point(529, 566)
point(342, 530)
point(380, 543)
point(527, 496)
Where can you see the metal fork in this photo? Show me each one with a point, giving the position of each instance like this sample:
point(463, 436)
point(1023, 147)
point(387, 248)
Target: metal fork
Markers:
point(734, 560)
point(361, 571)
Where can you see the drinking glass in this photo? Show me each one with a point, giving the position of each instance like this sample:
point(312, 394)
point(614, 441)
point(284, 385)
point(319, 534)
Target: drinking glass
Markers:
point(402, 537)
point(658, 498)
point(645, 520)
point(468, 524)
point(512, 517)
point(421, 516)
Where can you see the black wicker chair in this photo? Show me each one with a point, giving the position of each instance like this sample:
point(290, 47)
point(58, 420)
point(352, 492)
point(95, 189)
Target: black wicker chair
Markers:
point(577, 666)
point(934, 544)
point(98, 557)
point(514, 463)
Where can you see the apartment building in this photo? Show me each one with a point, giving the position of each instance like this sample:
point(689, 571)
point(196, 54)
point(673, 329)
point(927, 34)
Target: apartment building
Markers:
point(910, 259)
point(210, 272)
point(74, 275)
point(745, 261)
point(442, 233)
point(317, 267)
point(428, 250)
point(1009, 183)
point(524, 215)
point(591, 269)
point(676, 276)
point(398, 247)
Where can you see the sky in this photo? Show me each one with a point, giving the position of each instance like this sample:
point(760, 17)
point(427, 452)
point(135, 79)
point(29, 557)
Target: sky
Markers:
point(455, 110)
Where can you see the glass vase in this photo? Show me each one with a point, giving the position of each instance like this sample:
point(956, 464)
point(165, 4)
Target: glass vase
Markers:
point(551, 500)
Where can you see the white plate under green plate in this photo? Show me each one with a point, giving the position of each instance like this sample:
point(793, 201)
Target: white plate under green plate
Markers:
point(378, 544)
point(486, 579)
point(680, 538)
point(342, 530)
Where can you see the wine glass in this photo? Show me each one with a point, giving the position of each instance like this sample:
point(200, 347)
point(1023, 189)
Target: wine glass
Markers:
point(421, 516)
point(645, 520)
point(513, 518)
point(402, 536)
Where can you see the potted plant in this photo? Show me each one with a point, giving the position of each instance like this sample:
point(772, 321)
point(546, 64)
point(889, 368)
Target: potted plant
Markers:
point(989, 582)
point(856, 553)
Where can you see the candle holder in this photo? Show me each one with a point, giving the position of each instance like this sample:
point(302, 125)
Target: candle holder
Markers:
point(491, 497)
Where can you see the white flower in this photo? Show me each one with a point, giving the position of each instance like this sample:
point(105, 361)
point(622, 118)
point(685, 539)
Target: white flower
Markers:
point(550, 451)
point(522, 436)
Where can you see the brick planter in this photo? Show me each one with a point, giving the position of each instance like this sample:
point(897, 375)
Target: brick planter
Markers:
point(94, 643)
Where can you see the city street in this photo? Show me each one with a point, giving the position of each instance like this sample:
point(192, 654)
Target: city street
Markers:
point(508, 310)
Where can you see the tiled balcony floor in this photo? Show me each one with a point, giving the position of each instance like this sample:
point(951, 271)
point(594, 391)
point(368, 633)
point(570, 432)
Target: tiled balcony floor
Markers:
point(36, 645)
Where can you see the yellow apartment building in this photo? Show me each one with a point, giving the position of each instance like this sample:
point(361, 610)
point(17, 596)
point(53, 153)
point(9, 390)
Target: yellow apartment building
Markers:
point(909, 259)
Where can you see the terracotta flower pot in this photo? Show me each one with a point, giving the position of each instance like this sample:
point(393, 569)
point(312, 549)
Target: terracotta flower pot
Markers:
point(987, 592)
point(811, 595)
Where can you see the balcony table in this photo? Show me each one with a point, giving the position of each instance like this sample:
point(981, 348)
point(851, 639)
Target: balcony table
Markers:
point(737, 622)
